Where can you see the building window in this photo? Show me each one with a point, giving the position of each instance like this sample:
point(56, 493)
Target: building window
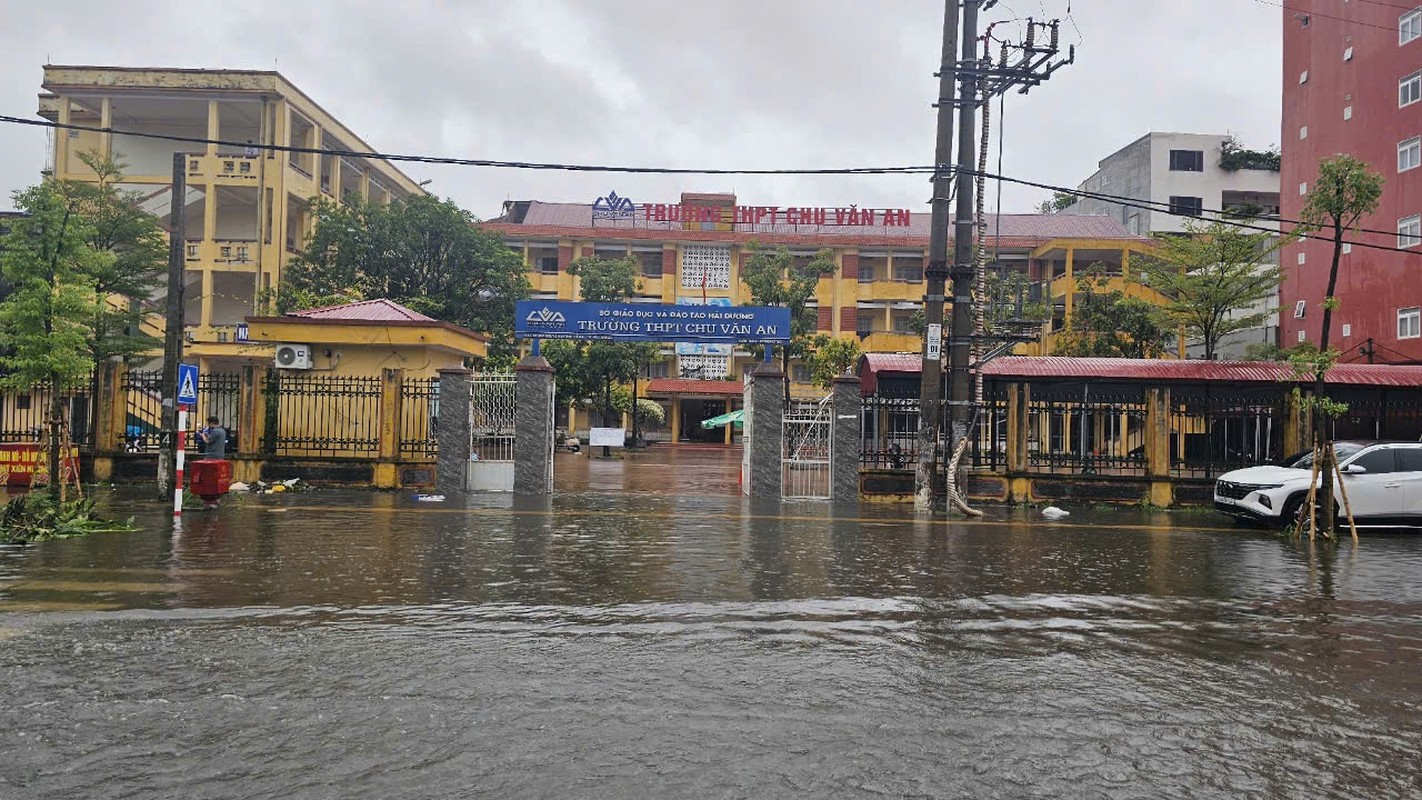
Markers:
point(1348, 54)
point(651, 262)
point(1409, 231)
point(866, 272)
point(1409, 89)
point(907, 268)
point(1409, 26)
point(1188, 206)
point(1303, 132)
point(1347, 112)
point(1187, 161)
point(1347, 248)
point(548, 265)
point(1409, 154)
point(1303, 77)
point(1347, 331)
point(903, 324)
point(1409, 323)
point(799, 373)
point(1302, 258)
point(863, 325)
point(1300, 308)
point(1303, 188)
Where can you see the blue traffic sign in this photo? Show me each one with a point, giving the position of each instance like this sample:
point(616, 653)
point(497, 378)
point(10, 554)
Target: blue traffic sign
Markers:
point(187, 384)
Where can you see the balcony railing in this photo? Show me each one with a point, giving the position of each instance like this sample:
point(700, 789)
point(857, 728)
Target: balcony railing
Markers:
point(222, 251)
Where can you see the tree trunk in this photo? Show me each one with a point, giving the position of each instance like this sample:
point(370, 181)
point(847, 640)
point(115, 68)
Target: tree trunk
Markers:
point(1321, 431)
point(785, 368)
point(606, 412)
point(56, 421)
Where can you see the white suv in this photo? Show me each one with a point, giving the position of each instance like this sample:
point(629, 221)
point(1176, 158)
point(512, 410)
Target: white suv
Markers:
point(1383, 479)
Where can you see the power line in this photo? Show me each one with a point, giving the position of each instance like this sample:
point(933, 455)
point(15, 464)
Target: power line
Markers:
point(1129, 202)
point(1320, 14)
point(469, 162)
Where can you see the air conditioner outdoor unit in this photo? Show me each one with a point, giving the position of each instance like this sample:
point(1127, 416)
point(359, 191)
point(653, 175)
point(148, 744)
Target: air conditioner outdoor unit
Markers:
point(293, 356)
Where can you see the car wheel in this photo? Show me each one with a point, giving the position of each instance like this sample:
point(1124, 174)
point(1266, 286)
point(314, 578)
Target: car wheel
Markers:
point(1293, 510)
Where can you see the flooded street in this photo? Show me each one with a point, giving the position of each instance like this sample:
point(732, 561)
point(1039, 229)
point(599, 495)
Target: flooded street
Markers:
point(647, 633)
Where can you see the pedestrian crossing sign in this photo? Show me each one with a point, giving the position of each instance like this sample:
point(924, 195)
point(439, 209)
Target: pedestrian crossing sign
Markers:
point(187, 384)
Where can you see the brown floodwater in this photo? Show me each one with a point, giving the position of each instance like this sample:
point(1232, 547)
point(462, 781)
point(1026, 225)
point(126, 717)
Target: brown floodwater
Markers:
point(648, 633)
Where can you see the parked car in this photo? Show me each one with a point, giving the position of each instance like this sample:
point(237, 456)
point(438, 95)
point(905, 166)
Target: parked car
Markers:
point(1383, 480)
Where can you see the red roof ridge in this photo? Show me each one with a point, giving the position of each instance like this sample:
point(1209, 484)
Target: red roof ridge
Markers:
point(380, 309)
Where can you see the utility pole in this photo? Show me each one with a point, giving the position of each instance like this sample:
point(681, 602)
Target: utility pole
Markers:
point(960, 381)
point(977, 82)
point(931, 390)
point(173, 334)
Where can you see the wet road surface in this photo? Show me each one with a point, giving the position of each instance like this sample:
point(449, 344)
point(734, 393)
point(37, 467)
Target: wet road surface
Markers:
point(648, 634)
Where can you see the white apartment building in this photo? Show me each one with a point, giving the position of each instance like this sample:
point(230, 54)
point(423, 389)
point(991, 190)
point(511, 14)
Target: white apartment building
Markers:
point(1172, 177)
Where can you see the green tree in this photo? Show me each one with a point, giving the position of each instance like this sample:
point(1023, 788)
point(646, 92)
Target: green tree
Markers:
point(423, 252)
point(1211, 277)
point(831, 357)
point(609, 280)
point(118, 225)
point(777, 278)
point(1346, 191)
point(1060, 201)
point(1109, 323)
point(47, 319)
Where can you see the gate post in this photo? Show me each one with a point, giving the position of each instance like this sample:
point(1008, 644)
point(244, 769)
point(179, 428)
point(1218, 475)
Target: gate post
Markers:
point(767, 450)
point(533, 427)
point(846, 440)
point(452, 431)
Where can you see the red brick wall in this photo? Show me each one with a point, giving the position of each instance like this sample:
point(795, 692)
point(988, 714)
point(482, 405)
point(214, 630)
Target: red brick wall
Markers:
point(565, 257)
point(668, 263)
point(826, 318)
point(848, 318)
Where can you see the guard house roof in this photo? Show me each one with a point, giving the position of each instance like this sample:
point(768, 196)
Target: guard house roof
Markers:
point(378, 323)
point(875, 365)
point(668, 387)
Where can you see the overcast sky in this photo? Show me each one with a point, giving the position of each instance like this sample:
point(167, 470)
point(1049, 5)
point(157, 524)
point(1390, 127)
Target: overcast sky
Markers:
point(730, 84)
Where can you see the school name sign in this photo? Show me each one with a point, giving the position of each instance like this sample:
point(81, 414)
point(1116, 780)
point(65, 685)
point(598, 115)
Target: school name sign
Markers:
point(645, 322)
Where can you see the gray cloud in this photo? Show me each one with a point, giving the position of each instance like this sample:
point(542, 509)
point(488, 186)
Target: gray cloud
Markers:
point(737, 83)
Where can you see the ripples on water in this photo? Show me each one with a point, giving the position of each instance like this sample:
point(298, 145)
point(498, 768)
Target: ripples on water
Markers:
point(693, 648)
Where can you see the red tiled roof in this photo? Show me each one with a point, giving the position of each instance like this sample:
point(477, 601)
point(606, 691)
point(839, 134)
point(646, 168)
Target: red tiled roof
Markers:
point(669, 386)
point(1146, 369)
point(871, 365)
point(380, 310)
point(1016, 230)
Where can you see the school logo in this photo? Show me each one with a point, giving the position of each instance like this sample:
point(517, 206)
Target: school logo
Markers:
point(545, 318)
point(613, 206)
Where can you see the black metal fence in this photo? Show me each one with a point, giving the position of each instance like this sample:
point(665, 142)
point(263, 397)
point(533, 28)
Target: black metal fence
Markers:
point(322, 415)
point(24, 415)
point(1214, 429)
point(890, 432)
point(1080, 429)
point(419, 408)
point(218, 395)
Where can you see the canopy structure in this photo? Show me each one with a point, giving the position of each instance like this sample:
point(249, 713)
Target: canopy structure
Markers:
point(737, 417)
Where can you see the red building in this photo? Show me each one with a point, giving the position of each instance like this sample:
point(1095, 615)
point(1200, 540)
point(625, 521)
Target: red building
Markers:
point(1353, 84)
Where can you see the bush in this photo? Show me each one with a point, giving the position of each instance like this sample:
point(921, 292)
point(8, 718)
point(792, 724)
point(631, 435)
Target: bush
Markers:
point(35, 517)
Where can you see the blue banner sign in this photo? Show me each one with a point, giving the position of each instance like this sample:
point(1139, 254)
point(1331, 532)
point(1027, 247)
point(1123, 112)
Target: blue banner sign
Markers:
point(645, 322)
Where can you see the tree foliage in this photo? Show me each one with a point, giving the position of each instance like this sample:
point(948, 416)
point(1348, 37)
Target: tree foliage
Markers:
point(1212, 277)
point(422, 252)
point(1235, 156)
point(589, 372)
point(777, 278)
point(1112, 324)
point(47, 318)
point(1059, 202)
point(118, 225)
point(1346, 191)
point(831, 357)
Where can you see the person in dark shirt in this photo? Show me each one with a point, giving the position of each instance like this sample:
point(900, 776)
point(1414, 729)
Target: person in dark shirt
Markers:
point(213, 439)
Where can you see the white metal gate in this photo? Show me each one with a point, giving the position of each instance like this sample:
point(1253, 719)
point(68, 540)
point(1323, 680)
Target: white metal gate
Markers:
point(493, 407)
point(807, 434)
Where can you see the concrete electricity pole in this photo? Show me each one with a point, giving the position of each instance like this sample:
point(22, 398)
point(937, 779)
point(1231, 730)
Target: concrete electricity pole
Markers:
point(931, 391)
point(173, 335)
point(977, 81)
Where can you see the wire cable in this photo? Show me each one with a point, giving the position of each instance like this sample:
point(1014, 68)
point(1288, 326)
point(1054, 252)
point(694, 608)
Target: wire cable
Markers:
point(1322, 15)
point(1146, 205)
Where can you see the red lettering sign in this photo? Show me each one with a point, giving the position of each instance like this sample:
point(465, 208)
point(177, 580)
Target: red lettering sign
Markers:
point(773, 215)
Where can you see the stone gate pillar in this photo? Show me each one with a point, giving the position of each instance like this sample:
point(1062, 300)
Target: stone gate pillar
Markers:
point(847, 443)
point(452, 431)
point(533, 427)
point(766, 397)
